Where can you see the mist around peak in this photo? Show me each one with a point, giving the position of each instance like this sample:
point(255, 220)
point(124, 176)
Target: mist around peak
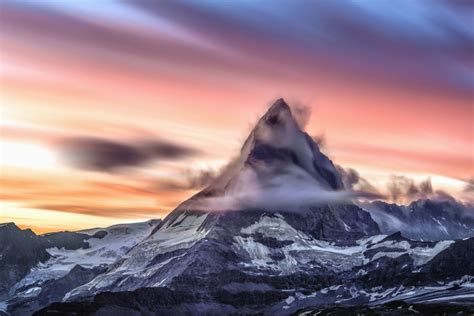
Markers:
point(279, 167)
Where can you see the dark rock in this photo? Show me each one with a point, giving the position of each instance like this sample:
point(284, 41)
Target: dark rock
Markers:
point(100, 234)
point(450, 264)
point(53, 290)
point(20, 250)
point(68, 240)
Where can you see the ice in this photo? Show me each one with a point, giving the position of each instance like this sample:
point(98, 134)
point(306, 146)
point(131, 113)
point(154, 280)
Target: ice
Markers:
point(442, 226)
point(303, 251)
point(420, 255)
point(34, 291)
point(423, 255)
point(179, 236)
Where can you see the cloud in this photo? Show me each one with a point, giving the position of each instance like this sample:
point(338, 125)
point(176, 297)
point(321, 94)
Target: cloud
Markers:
point(302, 114)
point(469, 188)
point(192, 180)
point(353, 181)
point(320, 140)
point(468, 191)
point(345, 37)
point(404, 190)
point(100, 154)
point(290, 190)
point(379, 39)
point(399, 188)
point(104, 210)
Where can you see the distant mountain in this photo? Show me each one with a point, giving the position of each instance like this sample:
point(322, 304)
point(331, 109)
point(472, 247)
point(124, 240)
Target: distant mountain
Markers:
point(48, 266)
point(424, 219)
point(20, 250)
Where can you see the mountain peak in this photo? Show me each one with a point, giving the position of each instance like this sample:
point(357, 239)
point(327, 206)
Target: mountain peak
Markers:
point(277, 158)
point(9, 224)
point(278, 106)
point(278, 114)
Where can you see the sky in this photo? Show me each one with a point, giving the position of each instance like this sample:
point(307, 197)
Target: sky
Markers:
point(116, 111)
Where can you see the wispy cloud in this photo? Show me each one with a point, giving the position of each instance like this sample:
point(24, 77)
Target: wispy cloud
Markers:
point(402, 189)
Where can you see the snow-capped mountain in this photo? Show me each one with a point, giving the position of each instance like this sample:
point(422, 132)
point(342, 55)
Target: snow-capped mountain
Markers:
point(66, 260)
point(276, 233)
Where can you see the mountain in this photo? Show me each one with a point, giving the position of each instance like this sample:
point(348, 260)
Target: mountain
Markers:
point(56, 263)
point(424, 219)
point(276, 233)
point(212, 232)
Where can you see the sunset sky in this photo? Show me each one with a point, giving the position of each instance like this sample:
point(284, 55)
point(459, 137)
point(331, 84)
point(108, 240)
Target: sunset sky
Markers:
point(173, 87)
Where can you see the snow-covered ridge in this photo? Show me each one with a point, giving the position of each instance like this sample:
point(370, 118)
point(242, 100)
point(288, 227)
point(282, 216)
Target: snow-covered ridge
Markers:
point(101, 252)
point(135, 269)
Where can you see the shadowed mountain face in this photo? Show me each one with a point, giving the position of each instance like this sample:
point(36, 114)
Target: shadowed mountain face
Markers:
point(424, 219)
point(20, 250)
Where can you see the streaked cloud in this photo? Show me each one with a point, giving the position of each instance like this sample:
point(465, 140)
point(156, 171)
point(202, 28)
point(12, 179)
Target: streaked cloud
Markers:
point(110, 155)
point(105, 211)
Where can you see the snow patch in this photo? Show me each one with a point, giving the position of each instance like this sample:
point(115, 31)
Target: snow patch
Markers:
point(289, 300)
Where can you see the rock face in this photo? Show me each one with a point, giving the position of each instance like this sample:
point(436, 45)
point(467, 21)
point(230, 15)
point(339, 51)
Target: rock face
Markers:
point(71, 240)
point(424, 219)
point(20, 250)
